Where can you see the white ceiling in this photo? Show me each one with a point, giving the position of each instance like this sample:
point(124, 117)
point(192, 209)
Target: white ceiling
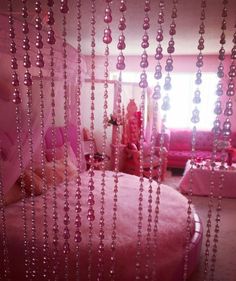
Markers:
point(187, 25)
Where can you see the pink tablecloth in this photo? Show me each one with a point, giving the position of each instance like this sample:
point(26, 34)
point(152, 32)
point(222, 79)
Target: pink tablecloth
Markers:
point(201, 178)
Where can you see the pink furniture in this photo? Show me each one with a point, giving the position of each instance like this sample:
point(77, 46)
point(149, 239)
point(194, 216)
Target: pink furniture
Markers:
point(201, 180)
point(131, 153)
point(178, 144)
point(132, 162)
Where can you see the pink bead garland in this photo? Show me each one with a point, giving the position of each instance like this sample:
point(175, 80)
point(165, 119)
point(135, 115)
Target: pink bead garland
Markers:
point(226, 131)
point(217, 131)
point(17, 101)
point(143, 84)
point(78, 235)
point(155, 97)
point(51, 41)
point(28, 84)
point(66, 232)
point(195, 119)
point(5, 257)
point(119, 66)
point(90, 200)
point(40, 64)
point(169, 61)
point(107, 20)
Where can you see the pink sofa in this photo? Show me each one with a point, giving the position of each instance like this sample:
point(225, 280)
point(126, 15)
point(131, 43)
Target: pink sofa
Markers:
point(178, 144)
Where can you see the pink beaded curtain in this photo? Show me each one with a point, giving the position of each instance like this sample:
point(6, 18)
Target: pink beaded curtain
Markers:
point(56, 74)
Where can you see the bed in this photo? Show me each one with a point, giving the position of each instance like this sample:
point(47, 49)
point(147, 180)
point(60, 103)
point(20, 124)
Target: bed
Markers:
point(171, 236)
point(171, 226)
point(171, 233)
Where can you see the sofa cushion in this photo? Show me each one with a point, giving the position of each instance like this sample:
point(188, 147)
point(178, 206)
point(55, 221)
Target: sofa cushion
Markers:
point(183, 155)
point(204, 141)
point(233, 139)
point(180, 140)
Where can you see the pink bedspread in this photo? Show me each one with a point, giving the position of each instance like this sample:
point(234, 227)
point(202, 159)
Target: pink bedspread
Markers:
point(172, 223)
point(201, 178)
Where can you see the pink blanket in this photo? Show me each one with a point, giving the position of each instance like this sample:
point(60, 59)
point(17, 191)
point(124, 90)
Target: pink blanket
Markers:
point(201, 178)
point(171, 237)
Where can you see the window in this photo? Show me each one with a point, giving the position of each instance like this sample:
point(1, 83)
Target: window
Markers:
point(181, 101)
point(181, 96)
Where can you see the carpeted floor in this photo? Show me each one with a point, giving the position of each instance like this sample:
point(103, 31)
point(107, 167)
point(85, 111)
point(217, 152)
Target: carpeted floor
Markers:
point(225, 267)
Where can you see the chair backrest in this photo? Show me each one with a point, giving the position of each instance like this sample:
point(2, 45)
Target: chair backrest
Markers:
point(132, 124)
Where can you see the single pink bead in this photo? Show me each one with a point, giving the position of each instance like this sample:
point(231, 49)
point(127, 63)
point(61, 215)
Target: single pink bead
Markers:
point(143, 84)
point(66, 248)
point(66, 219)
point(38, 23)
point(107, 39)
point(51, 38)
point(78, 237)
point(66, 234)
point(27, 79)
point(145, 44)
point(24, 12)
point(172, 31)
point(26, 44)
point(121, 45)
point(15, 80)
point(107, 31)
point(14, 64)
point(26, 61)
point(146, 25)
point(64, 7)
point(16, 100)
point(16, 97)
point(11, 33)
point(144, 63)
point(170, 50)
point(120, 58)
point(159, 36)
point(13, 48)
point(38, 7)
point(50, 19)
point(161, 18)
point(122, 6)
point(91, 216)
point(108, 18)
point(120, 66)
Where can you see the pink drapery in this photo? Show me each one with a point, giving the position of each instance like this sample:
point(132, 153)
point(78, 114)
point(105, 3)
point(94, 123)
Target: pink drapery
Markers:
point(8, 142)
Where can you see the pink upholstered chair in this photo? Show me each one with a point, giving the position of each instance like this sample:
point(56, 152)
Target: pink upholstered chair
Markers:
point(132, 162)
point(131, 138)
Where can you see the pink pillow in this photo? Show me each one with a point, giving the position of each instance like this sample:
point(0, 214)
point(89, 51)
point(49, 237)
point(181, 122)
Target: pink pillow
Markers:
point(37, 183)
point(59, 154)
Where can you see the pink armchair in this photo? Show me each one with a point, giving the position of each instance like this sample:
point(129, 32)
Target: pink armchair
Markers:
point(132, 162)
